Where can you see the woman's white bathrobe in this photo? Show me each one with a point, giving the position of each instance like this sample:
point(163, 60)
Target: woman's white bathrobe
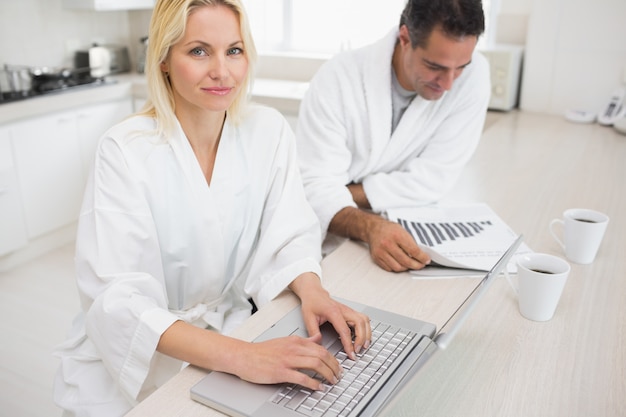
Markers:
point(344, 133)
point(156, 244)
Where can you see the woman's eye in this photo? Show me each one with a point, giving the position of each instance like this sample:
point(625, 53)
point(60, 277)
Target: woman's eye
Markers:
point(235, 51)
point(197, 51)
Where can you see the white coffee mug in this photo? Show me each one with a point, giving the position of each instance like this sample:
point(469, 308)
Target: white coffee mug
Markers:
point(540, 282)
point(583, 230)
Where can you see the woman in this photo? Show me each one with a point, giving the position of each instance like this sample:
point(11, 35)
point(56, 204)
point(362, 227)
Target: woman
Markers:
point(193, 206)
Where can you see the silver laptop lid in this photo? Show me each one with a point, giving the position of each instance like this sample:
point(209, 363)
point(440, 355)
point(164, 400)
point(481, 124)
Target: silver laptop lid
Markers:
point(447, 332)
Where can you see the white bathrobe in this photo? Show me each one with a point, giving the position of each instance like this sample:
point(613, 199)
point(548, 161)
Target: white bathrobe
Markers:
point(156, 244)
point(344, 133)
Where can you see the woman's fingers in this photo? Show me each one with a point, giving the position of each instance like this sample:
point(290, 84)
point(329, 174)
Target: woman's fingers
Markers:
point(292, 359)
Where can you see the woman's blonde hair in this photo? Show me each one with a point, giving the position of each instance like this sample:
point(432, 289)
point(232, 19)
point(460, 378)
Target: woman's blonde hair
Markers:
point(167, 27)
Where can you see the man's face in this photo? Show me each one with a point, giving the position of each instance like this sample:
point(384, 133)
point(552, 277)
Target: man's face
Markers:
point(431, 70)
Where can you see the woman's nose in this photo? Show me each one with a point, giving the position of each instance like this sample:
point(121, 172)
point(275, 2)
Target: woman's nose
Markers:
point(218, 69)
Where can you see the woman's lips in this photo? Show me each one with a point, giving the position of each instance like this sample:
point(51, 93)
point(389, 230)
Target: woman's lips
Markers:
point(218, 91)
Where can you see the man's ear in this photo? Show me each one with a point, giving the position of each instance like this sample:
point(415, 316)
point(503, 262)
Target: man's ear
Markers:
point(405, 39)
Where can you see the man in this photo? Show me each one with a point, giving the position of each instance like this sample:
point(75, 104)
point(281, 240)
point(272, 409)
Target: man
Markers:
point(393, 124)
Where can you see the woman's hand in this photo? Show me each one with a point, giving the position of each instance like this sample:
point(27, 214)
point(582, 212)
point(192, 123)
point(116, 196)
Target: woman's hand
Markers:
point(279, 360)
point(284, 359)
point(271, 362)
point(318, 307)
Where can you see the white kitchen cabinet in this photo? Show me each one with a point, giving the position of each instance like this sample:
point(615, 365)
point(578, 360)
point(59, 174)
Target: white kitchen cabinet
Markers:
point(107, 5)
point(49, 167)
point(12, 227)
point(52, 156)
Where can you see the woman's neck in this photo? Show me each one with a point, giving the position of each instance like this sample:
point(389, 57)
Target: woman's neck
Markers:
point(203, 132)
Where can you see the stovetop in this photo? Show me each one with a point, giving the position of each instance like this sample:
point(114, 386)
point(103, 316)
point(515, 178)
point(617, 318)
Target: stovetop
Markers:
point(54, 86)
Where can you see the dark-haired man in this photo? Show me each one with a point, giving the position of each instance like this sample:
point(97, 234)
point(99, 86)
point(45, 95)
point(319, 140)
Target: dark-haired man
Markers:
point(393, 124)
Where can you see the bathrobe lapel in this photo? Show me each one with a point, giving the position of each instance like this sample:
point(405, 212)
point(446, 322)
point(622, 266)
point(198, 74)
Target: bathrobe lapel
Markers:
point(210, 220)
point(377, 76)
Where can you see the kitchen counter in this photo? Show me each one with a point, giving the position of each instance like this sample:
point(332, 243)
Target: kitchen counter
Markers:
point(284, 95)
point(117, 88)
point(281, 94)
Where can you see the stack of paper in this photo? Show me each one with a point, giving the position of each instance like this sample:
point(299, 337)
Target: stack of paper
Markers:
point(467, 237)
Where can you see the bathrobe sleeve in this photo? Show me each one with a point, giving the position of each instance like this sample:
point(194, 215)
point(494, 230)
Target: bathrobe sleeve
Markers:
point(289, 235)
point(324, 131)
point(120, 277)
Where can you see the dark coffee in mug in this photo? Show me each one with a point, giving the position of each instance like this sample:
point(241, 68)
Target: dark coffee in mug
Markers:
point(541, 271)
point(586, 220)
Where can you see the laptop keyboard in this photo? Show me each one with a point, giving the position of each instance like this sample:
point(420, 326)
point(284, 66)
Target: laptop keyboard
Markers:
point(359, 377)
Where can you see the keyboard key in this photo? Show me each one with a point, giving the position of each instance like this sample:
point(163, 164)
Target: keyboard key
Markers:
point(297, 399)
point(309, 403)
point(336, 408)
point(347, 363)
point(311, 413)
point(323, 405)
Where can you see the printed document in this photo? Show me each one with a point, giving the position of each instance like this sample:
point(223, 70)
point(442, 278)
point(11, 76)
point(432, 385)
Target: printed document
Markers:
point(461, 239)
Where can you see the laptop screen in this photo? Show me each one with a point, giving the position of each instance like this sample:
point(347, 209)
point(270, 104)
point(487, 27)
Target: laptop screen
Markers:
point(454, 323)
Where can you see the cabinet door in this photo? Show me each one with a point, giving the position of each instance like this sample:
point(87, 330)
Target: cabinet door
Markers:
point(93, 121)
point(12, 228)
point(50, 177)
point(108, 4)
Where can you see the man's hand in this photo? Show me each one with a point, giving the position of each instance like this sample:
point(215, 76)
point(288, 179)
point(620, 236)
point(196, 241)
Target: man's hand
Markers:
point(394, 249)
point(391, 246)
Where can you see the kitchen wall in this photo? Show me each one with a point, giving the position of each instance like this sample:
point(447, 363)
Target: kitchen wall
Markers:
point(139, 21)
point(575, 50)
point(511, 21)
point(575, 54)
point(42, 33)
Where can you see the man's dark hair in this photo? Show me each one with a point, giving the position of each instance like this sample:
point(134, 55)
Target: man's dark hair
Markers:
point(457, 18)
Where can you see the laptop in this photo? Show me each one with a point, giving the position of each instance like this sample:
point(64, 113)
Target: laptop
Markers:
point(400, 347)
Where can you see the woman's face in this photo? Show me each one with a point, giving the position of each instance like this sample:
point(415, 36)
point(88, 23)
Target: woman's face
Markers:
point(208, 65)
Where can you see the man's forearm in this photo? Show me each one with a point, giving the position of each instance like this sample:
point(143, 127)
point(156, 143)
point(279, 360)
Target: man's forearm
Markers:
point(354, 223)
point(359, 196)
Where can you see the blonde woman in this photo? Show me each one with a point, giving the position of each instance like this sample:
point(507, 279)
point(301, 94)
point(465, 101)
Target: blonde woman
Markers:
point(194, 206)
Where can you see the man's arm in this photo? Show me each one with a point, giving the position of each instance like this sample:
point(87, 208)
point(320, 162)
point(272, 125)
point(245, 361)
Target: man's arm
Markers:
point(359, 196)
point(391, 247)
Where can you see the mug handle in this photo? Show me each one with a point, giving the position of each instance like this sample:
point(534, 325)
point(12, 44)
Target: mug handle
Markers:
point(552, 223)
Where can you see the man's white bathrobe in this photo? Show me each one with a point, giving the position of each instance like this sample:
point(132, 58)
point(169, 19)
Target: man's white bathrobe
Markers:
point(156, 244)
point(344, 133)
